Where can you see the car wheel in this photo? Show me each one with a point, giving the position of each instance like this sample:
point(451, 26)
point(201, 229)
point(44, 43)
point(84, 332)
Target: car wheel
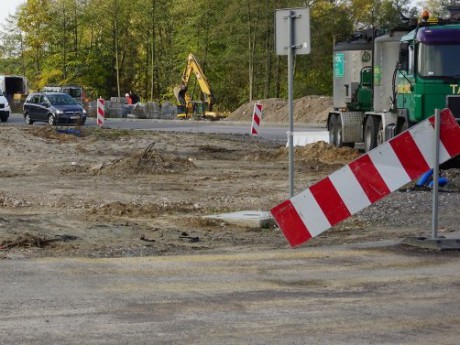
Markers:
point(27, 119)
point(51, 120)
point(4, 119)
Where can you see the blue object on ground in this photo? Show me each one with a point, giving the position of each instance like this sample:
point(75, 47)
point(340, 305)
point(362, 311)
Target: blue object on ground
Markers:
point(442, 181)
point(426, 177)
point(72, 131)
point(427, 180)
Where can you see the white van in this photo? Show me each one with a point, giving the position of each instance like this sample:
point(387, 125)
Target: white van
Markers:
point(5, 109)
point(11, 85)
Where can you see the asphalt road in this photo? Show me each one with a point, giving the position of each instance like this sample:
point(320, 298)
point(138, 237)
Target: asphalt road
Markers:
point(337, 295)
point(268, 131)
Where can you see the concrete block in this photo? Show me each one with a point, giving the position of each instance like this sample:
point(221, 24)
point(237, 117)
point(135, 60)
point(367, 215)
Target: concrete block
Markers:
point(440, 243)
point(252, 219)
point(305, 138)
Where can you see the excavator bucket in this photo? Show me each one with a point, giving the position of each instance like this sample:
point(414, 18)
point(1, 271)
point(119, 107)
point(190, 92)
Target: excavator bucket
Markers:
point(179, 93)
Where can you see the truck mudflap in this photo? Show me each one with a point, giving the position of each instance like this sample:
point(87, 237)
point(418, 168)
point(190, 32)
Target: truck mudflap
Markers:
point(453, 103)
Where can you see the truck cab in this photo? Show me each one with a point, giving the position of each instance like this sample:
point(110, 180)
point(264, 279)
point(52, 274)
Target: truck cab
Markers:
point(428, 73)
point(415, 71)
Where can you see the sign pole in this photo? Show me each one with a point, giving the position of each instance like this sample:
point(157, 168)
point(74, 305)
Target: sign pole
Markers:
point(292, 37)
point(290, 101)
point(434, 217)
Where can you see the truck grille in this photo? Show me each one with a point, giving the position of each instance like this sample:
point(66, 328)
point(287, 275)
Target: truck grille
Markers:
point(2, 106)
point(453, 103)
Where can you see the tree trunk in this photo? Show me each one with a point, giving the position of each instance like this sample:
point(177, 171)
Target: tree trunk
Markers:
point(117, 66)
point(152, 89)
point(75, 30)
point(64, 44)
point(251, 46)
point(268, 48)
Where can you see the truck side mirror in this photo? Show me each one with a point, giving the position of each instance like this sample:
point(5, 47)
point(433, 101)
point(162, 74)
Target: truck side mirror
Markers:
point(403, 63)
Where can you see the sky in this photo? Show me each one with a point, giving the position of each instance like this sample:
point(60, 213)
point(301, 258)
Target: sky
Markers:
point(9, 7)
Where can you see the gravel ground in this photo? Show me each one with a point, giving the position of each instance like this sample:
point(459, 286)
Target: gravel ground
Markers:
point(110, 193)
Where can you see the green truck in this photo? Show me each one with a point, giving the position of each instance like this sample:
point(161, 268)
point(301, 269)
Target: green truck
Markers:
point(383, 84)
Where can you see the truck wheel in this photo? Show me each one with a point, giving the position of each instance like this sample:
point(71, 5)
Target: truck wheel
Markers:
point(371, 129)
point(339, 141)
point(333, 130)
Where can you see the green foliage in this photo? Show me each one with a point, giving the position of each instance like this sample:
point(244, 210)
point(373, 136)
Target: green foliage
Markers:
point(113, 46)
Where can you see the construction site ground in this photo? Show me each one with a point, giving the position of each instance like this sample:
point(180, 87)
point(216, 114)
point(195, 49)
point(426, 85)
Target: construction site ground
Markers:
point(118, 193)
point(103, 240)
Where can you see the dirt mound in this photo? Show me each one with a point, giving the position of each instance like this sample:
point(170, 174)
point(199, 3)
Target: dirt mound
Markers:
point(320, 152)
point(308, 109)
point(147, 162)
point(28, 240)
point(51, 133)
point(326, 153)
point(120, 209)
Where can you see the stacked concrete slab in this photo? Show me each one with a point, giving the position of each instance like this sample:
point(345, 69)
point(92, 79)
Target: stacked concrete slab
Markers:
point(118, 108)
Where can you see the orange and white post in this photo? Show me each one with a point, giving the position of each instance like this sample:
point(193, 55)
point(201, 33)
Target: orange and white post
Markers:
point(100, 112)
point(256, 118)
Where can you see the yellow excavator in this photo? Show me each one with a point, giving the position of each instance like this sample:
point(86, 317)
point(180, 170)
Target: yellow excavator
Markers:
point(187, 107)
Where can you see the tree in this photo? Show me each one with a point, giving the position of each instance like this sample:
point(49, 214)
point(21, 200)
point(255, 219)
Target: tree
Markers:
point(34, 21)
point(113, 46)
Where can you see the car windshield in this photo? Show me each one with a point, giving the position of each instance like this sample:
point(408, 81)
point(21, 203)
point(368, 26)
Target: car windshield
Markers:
point(61, 99)
point(438, 61)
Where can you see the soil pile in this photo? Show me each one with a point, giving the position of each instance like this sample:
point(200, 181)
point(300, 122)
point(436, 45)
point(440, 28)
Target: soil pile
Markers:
point(51, 133)
point(308, 109)
point(141, 210)
point(326, 153)
point(320, 152)
point(147, 162)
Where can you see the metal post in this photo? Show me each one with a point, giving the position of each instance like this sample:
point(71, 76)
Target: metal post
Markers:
point(434, 218)
point(290, 103)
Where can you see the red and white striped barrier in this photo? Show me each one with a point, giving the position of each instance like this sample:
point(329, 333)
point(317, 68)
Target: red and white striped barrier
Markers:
point(100, 112)
point(256, 117)
point(366, 180)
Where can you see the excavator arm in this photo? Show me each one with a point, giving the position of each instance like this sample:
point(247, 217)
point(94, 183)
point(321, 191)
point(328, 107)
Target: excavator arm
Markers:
point(181, 92)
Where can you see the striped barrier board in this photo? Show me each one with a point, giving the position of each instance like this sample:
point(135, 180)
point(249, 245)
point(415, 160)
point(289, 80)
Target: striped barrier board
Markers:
point(100, 112)
point(256, 118)
point(366, 180)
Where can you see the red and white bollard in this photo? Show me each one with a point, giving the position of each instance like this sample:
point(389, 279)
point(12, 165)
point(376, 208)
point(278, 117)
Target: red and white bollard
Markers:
point(256, 118)
point(100, 112)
